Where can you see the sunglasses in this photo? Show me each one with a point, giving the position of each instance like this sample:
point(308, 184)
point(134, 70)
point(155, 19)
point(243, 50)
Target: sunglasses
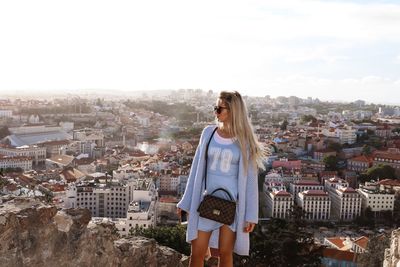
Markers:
point(219, 109)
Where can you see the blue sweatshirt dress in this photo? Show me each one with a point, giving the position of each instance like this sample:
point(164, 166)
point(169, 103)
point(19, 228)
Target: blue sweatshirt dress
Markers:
point(222, 172)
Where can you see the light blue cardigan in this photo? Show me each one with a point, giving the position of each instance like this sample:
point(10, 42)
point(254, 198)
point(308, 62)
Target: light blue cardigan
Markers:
point(247, 199)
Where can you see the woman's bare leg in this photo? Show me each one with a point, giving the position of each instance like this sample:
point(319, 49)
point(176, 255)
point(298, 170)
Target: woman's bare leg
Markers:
point(199, 249)
point(226, 243)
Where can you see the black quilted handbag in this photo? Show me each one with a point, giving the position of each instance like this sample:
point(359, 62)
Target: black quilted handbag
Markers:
point(215, 208)
point(218, 209)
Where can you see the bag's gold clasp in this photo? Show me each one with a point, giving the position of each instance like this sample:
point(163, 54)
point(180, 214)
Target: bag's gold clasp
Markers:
point(216, 212)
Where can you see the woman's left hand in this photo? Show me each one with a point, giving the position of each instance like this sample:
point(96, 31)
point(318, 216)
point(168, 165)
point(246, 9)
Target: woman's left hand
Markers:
point(248, 227)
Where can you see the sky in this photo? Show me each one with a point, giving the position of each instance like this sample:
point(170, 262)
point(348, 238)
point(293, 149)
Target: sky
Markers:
point(331, 50)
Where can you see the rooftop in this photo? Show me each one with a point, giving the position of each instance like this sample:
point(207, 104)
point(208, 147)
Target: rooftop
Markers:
point(307, 182)
point(314, 193)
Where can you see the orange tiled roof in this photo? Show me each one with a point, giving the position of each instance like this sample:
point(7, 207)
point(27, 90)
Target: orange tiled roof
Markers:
point(362, 159)
point(337, 241)
point(339, 254)
point(362, 242)
point(389, 182)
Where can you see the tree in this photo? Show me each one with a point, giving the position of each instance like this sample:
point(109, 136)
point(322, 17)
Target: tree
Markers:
point(4, 132)
point(173, 237)
point(284, 125)
point(330, 163)
point(282, 243)
point(375, 252)
point(3, 182)
point(381, 172)
point(366, 150)
point(366, 219)
point(308, 118)
point(335, 146)
point(375, 142)
point(396, 211)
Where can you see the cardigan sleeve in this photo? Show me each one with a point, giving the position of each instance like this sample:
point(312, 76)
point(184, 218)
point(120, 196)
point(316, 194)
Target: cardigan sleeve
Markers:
point(185, 202)
point(251, 214)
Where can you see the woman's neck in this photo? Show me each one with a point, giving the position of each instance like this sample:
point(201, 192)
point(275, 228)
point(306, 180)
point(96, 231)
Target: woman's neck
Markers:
point(223, 132)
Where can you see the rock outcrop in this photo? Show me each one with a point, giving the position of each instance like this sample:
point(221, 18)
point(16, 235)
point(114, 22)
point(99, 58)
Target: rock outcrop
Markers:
point(392, 254)
point(35, 234)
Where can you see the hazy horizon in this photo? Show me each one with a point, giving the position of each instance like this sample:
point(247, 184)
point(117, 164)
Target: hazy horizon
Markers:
point(116, 93)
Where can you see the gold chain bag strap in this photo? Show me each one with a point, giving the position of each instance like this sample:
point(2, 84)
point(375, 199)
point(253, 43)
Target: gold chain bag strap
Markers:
point(215, 208)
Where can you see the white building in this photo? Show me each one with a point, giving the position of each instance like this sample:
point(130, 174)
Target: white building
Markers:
point(142, 208)
point(316, 204)
point(345, 134)
point(5, 113)
point(279, 203)
point(31, 135)
point(334, 183)
point(24, 163)
point(37, 154)
point(88, 140)
point(378, 200)
point(303, 185)
point(140, 214)
point(182, 181)
point(125, 172)
point(169, 182)
point(345, 204)
point(102, 199)
point(274, 177)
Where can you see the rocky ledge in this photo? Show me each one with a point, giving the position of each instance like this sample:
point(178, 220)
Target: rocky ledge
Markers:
point(392, 254)
point(36, 234)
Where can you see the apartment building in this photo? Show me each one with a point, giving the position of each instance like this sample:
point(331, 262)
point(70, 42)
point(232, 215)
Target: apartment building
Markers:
point(88, 140)
point(24, 163)
point(375, 198)
point(5, 113)
point(142, 208)
point(279, 203)
point(345, 134)
point(391, 158)
point(319, 155)
point(316, 204)
point(169, 182)
point(102, 199)
point(139, 214)
point(334, 183)
point(36, 153)
point(359, 164)
point(303, 185)
point(182, 181)
point(345, 203)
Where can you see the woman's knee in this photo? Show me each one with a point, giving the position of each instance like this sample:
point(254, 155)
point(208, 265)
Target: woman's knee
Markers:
point(225, 252)
point(198, 253)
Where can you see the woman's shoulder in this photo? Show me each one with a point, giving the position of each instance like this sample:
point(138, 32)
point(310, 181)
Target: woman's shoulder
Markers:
point(208, 129)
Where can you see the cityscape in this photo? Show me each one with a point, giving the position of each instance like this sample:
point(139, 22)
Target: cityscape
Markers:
point(125, 160)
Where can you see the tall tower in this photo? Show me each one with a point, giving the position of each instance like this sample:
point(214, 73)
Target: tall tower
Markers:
point(123, 135)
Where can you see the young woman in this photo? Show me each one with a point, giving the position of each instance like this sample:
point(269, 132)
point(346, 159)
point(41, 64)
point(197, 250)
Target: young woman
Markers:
point(232, 160)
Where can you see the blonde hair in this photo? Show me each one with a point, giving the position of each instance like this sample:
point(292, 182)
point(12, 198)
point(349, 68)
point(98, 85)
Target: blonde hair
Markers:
point(240, 127)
